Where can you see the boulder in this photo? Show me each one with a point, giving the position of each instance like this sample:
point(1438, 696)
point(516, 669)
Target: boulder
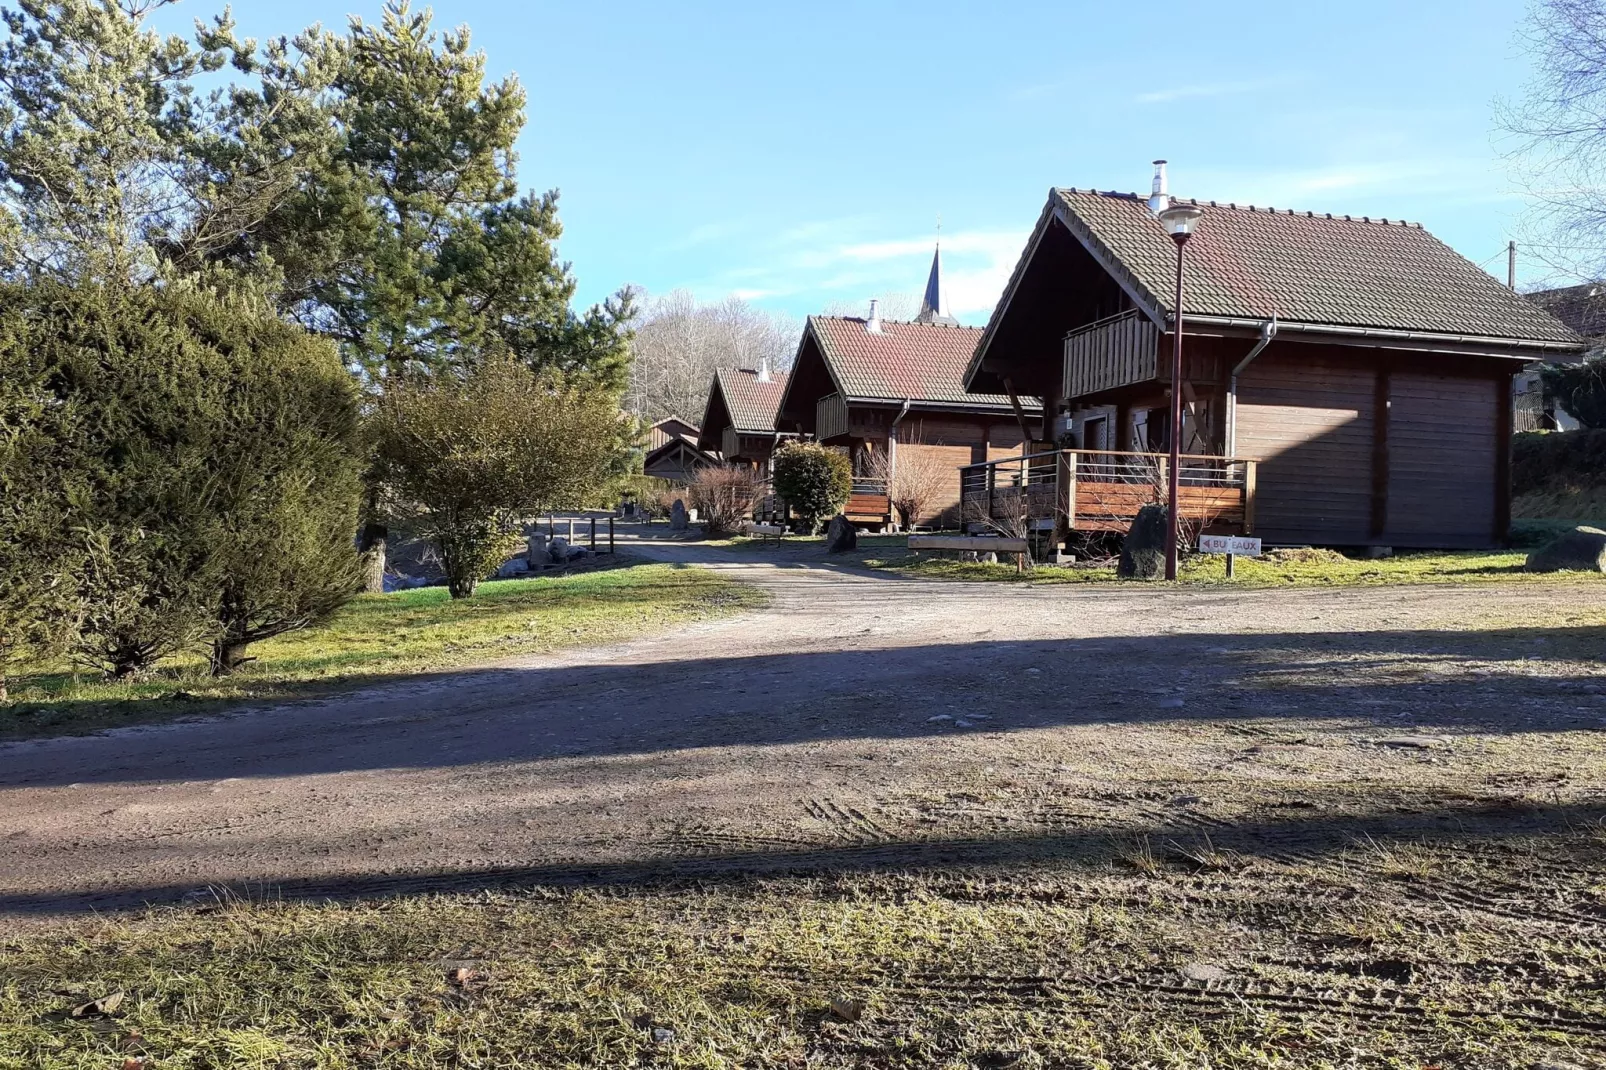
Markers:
point(1143, 549)
point(679, 519)
point(840, 535)
point(536, 552)
point(558, 550)
point(1582, 549)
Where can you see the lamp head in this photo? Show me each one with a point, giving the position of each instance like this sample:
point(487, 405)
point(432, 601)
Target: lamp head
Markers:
point(1179, 220)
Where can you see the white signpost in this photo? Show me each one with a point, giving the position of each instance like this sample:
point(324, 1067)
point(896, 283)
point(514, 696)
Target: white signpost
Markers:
point(1231, 545)
point(1240, 545)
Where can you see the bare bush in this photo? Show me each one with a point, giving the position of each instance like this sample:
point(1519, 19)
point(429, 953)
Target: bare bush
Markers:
point(724, 495)
point(918, 482)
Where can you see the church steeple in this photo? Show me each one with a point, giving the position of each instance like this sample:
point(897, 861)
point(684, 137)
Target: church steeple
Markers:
point(934, 305)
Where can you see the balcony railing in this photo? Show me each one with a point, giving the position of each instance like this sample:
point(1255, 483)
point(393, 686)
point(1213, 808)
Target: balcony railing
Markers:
point(830, 417)
point(1102, 490)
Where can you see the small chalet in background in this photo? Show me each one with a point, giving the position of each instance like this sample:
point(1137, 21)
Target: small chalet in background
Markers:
point(885, 389)
point(1363, 365)
point(672, 451)
point(739, 421)
point(1583, 308)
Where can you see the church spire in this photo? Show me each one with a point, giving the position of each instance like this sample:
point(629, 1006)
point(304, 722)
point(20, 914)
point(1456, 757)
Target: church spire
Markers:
point(934, 305)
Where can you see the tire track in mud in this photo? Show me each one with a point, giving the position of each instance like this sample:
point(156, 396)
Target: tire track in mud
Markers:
point(1401, 1011)
point(847, 822)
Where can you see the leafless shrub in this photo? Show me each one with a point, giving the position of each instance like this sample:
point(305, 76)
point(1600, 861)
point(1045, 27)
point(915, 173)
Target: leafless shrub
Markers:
point(723, 496)
point(917, 483)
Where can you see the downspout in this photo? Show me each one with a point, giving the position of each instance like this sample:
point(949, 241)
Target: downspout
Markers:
point(892, 440)
point(1268, 331)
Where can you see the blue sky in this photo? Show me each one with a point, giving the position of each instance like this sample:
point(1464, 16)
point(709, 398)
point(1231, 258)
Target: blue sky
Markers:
point(800, 154)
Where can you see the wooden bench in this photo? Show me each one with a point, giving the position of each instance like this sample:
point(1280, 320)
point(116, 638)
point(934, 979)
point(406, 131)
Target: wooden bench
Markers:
point(764, 531)
point(981, 544)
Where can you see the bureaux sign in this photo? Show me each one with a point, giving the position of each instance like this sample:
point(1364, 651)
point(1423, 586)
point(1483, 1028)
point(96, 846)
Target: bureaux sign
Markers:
point(1238, 545)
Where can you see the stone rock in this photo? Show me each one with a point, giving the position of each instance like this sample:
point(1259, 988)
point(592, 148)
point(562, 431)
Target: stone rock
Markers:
point(536, 555)
point(1204, 973)
point(1143, 549)
point(988, 558)
point(679, 518)
point(1583, 549)
point(558, 550)
point(1416, 742)
point(840, 535)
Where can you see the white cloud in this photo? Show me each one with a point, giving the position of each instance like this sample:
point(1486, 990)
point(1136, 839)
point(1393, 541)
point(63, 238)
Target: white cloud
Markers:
point(1208, 89)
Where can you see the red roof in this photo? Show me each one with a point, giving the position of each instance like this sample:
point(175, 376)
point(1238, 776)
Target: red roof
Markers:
point(913, 361)
point(751, 403)
point(1307, 267)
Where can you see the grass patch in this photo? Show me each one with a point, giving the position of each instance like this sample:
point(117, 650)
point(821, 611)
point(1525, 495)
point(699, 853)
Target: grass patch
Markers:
point(1294, 568)
point(1051, 969)
point(380, 636)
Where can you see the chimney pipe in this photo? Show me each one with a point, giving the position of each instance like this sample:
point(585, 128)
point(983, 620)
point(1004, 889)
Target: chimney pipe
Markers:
point(764, 369)
point(1159, 198)
point(873, 324)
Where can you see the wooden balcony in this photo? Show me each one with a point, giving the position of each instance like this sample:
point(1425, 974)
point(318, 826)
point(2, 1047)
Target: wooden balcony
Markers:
point(1114, 352)
point(1124, 350)
point(1100, 490)
point(830, 417)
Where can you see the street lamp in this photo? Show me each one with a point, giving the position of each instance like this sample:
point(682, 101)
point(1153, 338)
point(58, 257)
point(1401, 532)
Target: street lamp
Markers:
point(1179, 221)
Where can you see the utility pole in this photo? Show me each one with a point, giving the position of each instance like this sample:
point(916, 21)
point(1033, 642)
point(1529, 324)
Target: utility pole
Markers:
point(1511, 265)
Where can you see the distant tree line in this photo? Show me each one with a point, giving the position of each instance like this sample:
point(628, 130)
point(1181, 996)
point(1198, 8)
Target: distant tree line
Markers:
point(236, 323)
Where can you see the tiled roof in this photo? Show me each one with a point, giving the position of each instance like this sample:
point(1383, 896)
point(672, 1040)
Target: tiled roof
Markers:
point(1304, 267)
point(917, 361)
point(1583, 308)
point(751, 404)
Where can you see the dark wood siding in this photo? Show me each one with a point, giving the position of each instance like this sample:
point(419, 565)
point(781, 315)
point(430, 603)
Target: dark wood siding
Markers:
point(1443, 460)
point(1308, 420)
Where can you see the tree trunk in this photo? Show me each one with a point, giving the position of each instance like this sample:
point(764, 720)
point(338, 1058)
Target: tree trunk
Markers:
point(374, 537)
point(228, 655)
point(461, 586)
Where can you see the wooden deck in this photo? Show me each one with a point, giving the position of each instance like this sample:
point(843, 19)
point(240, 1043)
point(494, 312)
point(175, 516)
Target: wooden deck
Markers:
point(1101, 490)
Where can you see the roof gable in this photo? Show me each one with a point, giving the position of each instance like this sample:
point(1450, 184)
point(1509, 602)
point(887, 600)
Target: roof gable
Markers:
point(749, 401)
point(1304, 267)
point(918, 362)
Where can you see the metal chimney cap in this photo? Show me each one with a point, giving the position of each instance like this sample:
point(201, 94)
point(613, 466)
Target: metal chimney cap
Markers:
point(1159, 196)
point(873, 324)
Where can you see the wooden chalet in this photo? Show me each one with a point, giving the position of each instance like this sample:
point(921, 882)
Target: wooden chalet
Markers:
point(739, 420)
point(1347, 381)
point(672, 451)
point(886, 388)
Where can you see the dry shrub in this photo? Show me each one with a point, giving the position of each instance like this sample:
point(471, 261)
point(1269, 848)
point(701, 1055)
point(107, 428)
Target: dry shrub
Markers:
point(723, 496)
point(917, 484)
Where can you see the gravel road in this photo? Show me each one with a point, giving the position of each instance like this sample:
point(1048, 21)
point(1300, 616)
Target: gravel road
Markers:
point(860, 720)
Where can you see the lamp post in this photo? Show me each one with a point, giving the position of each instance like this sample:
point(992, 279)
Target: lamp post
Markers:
point(1179, 221)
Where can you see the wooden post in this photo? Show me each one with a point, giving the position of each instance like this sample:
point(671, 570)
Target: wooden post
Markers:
point(1064, 496)
point(610, 534)
point(571, 531)
point(593, 534)
point(1020, 416)
point(1502, 457)
point(1249, 497)
point(1380, 453)
point(1229, 565)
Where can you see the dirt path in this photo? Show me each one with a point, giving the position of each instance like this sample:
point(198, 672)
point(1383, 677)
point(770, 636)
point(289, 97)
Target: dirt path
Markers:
point(860, 721)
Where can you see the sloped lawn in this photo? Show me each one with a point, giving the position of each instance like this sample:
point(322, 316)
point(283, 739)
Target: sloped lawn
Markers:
point(380, 636)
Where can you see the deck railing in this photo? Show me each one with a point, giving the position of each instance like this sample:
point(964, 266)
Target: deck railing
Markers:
point(1102, 490)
